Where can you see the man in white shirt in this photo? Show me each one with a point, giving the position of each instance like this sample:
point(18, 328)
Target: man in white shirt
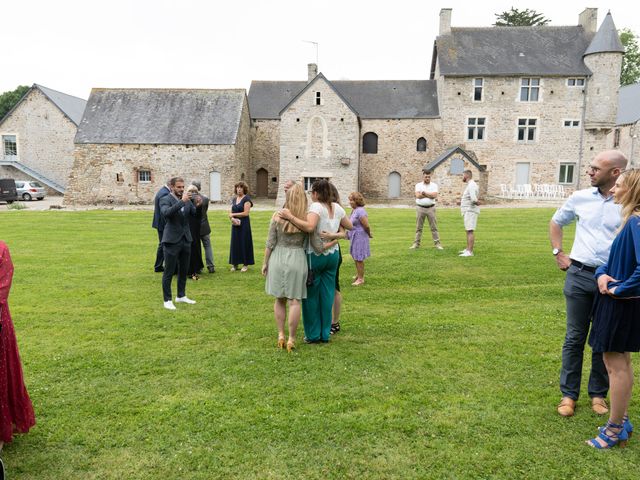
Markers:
point(598, 220)
point(426, 194)
point(470, 211)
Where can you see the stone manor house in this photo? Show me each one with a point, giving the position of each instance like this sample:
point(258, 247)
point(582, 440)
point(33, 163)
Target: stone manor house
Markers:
point(517, 105)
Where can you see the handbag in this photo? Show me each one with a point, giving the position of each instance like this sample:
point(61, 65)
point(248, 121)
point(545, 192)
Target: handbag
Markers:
point(310, 275)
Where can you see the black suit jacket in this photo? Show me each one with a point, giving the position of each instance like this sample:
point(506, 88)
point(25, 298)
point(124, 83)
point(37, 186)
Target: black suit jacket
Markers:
point(176, 215)
point(158, 219)
point(205, 228)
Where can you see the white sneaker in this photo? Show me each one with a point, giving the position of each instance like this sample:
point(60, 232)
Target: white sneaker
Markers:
point(169, 305)
point(185, 299)
point(466, 253)
point(439, 247)
point(462, 251)
point(414, 246)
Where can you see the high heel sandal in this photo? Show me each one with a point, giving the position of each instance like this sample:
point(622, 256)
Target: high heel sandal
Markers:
point(628, 426)
point(335, 328)
point(609, 437)
point(291, 345)
point(280, 342)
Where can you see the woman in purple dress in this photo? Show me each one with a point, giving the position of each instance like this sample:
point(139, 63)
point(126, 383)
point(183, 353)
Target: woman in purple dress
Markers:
point(359, 236)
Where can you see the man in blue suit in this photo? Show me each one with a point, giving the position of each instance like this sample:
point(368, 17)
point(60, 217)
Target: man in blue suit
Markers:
point(158, 224)
point(176, 240)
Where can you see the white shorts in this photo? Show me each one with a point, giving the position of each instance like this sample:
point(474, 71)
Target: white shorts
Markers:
point(470, 220)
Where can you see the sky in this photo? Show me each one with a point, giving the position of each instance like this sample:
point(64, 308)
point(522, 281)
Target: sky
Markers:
point(75, 45)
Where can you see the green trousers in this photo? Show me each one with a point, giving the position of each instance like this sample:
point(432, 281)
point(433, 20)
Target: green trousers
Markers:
point(317, 308)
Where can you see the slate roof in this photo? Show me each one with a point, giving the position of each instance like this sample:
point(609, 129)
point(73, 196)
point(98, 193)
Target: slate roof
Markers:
point(369, 98)
point(162, 116)
point(628, 104)
point(606, 39)
point(501, 51)
point(72, 107)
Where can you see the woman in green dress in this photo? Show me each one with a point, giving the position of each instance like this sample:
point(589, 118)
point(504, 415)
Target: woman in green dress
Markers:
point(285, 265)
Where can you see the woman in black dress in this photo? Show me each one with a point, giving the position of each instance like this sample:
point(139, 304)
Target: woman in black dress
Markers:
point(195, 259)
point(241, 240)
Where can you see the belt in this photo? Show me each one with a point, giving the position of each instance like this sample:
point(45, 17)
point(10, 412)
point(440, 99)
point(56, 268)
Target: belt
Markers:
point(582, 266)
point(428, 206)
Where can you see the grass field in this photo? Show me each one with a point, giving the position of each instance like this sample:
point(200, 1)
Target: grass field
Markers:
point(446, 367)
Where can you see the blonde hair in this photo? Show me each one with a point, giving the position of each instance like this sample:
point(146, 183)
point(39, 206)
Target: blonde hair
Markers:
point(357, 198)
point(630, 200)
point(296, 202)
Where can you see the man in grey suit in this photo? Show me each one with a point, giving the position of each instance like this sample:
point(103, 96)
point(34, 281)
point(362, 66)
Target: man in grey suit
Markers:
point(158, 224)
point(205, 229)
point(176, 240)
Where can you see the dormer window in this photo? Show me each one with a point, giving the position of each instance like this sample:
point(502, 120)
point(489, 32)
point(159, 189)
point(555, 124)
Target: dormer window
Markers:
point(318, 98)
point(529, 89)
point(575, 82)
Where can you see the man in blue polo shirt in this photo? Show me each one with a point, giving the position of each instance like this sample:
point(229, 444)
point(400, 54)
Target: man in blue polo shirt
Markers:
point(598, 220)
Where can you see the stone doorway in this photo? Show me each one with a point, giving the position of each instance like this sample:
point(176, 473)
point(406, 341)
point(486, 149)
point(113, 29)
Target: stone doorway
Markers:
point(395, 182)
point(262, 183)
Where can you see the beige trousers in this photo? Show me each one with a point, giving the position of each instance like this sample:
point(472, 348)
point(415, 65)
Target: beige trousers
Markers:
point(430, 213)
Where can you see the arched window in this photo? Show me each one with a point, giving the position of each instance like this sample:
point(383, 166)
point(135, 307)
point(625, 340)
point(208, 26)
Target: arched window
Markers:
point(422, 145)
point(394, 185)
point(370, 143)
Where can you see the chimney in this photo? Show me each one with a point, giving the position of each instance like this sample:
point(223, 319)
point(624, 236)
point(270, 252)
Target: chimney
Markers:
point(445, 21)
point(588, 19)
point(312, 70)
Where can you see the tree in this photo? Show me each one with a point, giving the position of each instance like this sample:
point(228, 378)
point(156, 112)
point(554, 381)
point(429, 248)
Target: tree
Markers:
point(8, 100)
point(631, 61)
point(520, 18)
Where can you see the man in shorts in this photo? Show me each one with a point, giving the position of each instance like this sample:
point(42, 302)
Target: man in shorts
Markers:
point(470, 211)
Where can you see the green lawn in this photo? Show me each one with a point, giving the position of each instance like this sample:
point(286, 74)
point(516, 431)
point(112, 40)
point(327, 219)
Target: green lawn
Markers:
point(446, 367)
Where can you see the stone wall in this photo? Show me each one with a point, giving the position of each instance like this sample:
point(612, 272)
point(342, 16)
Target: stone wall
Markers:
point(397, 152)
point(500, 150)
point(629, 142)
point(108, 173)
point(319, 140)
point(265, 152)
point(242, 152)
point(44, 137)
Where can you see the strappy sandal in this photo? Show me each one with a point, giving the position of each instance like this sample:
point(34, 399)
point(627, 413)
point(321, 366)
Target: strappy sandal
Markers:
point(628, 426)
point(335, 328)
point(609, 437)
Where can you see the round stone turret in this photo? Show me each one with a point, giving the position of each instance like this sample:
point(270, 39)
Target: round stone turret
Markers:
point(604, 58)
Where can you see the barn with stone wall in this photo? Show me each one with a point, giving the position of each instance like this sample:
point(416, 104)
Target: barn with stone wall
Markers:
point(130, 141)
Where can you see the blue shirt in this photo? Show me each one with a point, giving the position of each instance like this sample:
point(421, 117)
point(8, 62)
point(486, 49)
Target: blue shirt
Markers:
point(624, 261)
point(598, 220)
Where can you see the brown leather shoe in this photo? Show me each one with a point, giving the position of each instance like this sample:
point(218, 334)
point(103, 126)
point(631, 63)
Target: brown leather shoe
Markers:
point(567, 407)
point(599, 405)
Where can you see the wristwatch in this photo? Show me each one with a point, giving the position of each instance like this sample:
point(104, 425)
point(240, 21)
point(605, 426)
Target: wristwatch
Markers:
point(556, 251)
